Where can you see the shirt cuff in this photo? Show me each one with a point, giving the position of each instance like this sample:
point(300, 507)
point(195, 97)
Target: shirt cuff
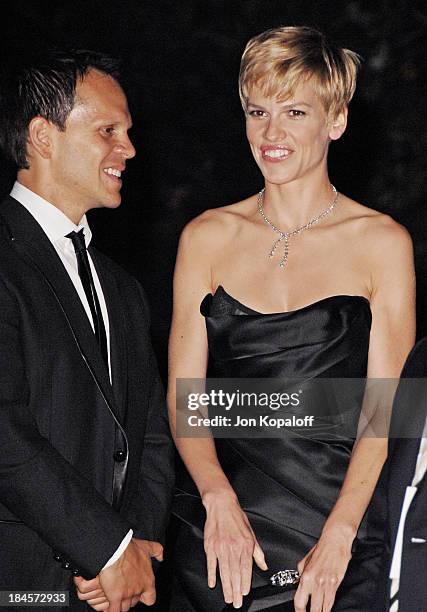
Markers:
point(121, 549)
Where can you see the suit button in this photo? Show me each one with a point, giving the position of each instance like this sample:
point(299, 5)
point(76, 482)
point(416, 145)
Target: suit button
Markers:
point(66, 565)
point(57, 557)
point(76, 572)
point(119, 456)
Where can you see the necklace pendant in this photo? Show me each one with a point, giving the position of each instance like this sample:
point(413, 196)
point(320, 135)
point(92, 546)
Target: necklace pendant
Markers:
point(296, 232)
point(284, 259)
point(275, 245)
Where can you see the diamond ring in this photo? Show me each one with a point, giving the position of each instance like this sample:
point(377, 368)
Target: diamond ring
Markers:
point(285, 577)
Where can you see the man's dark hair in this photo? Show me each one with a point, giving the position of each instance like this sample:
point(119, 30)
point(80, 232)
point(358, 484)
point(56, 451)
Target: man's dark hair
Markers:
point(44, 87)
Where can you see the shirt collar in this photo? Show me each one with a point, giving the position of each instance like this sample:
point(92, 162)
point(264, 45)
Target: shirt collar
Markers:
point(53, 221)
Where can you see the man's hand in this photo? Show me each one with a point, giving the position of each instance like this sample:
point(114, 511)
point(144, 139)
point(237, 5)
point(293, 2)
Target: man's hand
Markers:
point(92, 593)
point(129, 580)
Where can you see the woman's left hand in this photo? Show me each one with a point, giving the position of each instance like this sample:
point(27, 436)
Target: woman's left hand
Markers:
point(322, 571)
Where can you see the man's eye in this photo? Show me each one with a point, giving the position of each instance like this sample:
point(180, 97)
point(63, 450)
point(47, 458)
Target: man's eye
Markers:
point(296, 113)
point(108, 130)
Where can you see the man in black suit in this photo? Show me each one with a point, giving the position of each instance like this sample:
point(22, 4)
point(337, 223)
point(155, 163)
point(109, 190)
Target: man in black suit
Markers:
point(399, 505)
point(85, 452)
point(391, 564)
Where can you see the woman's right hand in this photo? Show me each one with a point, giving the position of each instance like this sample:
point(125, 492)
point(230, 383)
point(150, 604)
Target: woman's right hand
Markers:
point(231, 544)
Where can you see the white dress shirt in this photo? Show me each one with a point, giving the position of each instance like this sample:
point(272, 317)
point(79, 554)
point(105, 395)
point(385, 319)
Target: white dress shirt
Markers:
point(56, 225)
point(420, 472)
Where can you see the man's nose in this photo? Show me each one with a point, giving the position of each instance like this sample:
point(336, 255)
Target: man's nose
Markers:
point(126, 148)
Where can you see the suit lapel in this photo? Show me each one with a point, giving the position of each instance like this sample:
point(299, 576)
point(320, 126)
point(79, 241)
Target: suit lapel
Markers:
point(32, 244)
point(118, 348)
point(408, 419)
point(402, 468)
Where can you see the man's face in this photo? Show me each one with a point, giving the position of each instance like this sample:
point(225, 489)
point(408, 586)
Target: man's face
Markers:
point(89, 157)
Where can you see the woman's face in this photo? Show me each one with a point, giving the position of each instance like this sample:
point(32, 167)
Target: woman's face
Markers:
point(289, 139)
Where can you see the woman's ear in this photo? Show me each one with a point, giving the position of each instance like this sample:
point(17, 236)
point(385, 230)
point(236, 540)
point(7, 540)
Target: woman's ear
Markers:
point(39, 138)
point(338, 124)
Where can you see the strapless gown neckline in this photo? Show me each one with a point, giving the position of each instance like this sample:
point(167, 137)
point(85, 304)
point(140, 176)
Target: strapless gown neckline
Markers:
point(221, 291)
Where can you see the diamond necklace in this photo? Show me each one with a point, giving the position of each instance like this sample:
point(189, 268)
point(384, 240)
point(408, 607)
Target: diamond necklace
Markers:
point(287, 235)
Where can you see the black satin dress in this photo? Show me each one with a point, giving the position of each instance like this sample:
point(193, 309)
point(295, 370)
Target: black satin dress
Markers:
point(287, 486)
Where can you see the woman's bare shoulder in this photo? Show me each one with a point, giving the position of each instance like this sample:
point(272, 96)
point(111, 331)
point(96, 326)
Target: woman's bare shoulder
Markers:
point(219, 224)
point(373, 227)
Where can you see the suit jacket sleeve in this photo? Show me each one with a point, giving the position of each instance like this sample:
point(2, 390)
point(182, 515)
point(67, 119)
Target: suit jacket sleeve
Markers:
point(149, 508)
point(37, 484)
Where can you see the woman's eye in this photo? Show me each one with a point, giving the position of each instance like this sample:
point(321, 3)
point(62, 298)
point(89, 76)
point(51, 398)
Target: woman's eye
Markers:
point(296, 113)
point(256, 113)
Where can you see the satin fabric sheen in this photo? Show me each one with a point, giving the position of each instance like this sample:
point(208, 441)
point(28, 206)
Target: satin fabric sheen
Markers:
point(287, 486)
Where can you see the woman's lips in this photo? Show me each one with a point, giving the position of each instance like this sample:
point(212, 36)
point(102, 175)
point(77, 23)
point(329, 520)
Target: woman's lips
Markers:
point(275, 154)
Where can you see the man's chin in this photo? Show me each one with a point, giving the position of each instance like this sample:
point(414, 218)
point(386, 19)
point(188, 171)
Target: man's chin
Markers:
point(111, 202)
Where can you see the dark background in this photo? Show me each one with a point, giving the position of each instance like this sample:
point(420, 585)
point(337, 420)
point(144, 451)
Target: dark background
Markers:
point(181, 62)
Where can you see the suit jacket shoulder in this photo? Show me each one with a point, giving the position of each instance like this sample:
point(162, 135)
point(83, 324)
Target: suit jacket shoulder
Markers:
point(416, 363)
point(125, 281)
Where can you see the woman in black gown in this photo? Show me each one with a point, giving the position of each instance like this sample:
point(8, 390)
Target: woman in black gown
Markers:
point(335, 298)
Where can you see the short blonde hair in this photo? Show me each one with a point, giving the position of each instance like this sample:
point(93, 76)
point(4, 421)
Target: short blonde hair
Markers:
point(277, 60)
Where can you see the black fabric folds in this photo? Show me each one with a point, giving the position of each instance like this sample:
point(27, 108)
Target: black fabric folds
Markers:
point(286, 486)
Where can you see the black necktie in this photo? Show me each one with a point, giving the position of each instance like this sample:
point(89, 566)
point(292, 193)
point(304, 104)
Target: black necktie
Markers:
point(78, 240)
point(394, 598)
